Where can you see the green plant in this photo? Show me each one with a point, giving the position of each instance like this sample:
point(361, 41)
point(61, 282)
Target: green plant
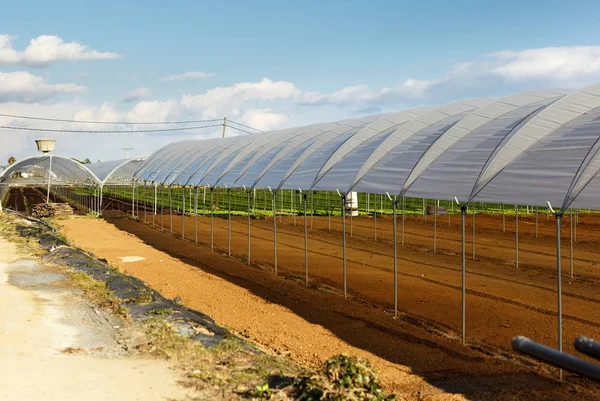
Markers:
point(159, 312)
point(262, 391)
point(341, 378)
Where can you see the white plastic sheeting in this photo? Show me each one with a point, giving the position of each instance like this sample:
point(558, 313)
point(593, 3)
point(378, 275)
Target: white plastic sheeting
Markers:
point(117, 171)
point(36, 169)
point(526, 148)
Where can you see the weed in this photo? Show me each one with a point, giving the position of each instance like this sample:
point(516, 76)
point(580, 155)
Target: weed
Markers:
point(159, 312)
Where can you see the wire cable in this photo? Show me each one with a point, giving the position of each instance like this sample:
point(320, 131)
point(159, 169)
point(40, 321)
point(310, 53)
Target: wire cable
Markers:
point(239, 129)
point(109, 122)
point(246, 126)
point(107, 131)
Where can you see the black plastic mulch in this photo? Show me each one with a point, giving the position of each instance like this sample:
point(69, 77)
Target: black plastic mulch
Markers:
point(140, 301)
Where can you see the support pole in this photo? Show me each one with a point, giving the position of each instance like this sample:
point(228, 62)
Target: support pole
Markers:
point(305, 242)
point(463, 211)
point(155, 202)
point(145, 203)
point(571, 244)
point(196, 213)
point(394, 205)
point(133, 199)
point(343, 198)
point(517, 236)
point(434, 226)
point(49, 178)
point(559, 284)
point(328, 214)
point(403, 217)
point(171, 210)
point(229, 221)
point(248, 226)
point(162, 209)
point(183, 212)
point(212, 219)
point(274, 199)
point(537, 234)
point(473, 234)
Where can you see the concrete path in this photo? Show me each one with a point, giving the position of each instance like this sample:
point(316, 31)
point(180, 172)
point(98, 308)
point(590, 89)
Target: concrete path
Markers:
point(54, 346)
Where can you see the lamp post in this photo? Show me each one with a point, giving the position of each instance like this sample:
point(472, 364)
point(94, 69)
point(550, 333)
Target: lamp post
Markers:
point(46, 146)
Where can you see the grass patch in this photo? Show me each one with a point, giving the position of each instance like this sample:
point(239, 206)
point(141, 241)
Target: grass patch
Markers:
point(159, 312)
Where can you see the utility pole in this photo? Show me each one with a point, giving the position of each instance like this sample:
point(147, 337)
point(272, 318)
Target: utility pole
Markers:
point(224, 126)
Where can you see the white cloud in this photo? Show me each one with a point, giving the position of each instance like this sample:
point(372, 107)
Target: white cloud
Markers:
point(135, 95)
point(48, 49)
point(186, 76)
point(24, 87)
point(562, 63)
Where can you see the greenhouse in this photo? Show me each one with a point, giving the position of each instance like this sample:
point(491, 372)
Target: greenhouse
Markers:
point(532, 152)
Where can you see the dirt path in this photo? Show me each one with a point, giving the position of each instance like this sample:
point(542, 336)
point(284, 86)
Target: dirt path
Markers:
point(41, 318)
point(313, 324)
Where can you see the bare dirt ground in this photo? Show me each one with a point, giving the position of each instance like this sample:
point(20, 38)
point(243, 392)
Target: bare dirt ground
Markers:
point(54, 345)
point(418, 353)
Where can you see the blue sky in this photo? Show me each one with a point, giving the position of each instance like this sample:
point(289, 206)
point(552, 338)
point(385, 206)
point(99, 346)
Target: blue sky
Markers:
point(322, 61)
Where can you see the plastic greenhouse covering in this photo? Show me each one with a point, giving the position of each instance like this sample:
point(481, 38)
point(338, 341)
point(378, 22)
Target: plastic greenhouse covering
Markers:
point(528, 148)
point(65, 171)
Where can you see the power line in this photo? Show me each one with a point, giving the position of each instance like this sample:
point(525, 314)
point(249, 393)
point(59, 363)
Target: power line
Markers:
point(107, 131)
point(247, 126)
point(239, 129)
point(110, 122)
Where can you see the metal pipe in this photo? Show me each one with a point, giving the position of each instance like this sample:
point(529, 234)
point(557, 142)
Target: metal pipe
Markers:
point(559, 283)
point(171, 210)
point(305, 242)
point(463, 211)
point(571, 244)
point(196, 212)
point(344, 240)
point(394, 205)
point(162, 214)
point(49, 178)
point(434, 226)
point(229, 221)
point(403, 208)
point(212, 219)
point(248, 226)
point(517, 236)
point(556, 358)
point(183, 212)
point(473, 235)
point(274, 198)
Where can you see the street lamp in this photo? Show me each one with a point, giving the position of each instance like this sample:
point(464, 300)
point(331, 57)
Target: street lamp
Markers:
point(46, 146)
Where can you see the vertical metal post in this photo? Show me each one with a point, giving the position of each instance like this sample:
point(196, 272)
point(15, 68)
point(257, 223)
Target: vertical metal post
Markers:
point(155, 202)
point(537, 235)
point(571, 244)
point(145, 203)
point(229, 221)
point(473, 235)
point(274, 199)
point(312, 208)
point(559, 284)
point(292, 198)
point(434, 226)
point(248, 226)
point(196, 213)
point(171, 210)
point(517, 236)
point(463, 211)
point(133, 199)
point(183, 212)
point(212, 219)
point(351, 213)
point(328, 213)
point(49, 178)
point(162, 209)
point(305, 242)
point(394, 205)
point(403, 210)
point(343, 198)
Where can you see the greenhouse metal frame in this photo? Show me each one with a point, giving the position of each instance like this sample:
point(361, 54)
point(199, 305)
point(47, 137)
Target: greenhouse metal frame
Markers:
point(537, 148)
